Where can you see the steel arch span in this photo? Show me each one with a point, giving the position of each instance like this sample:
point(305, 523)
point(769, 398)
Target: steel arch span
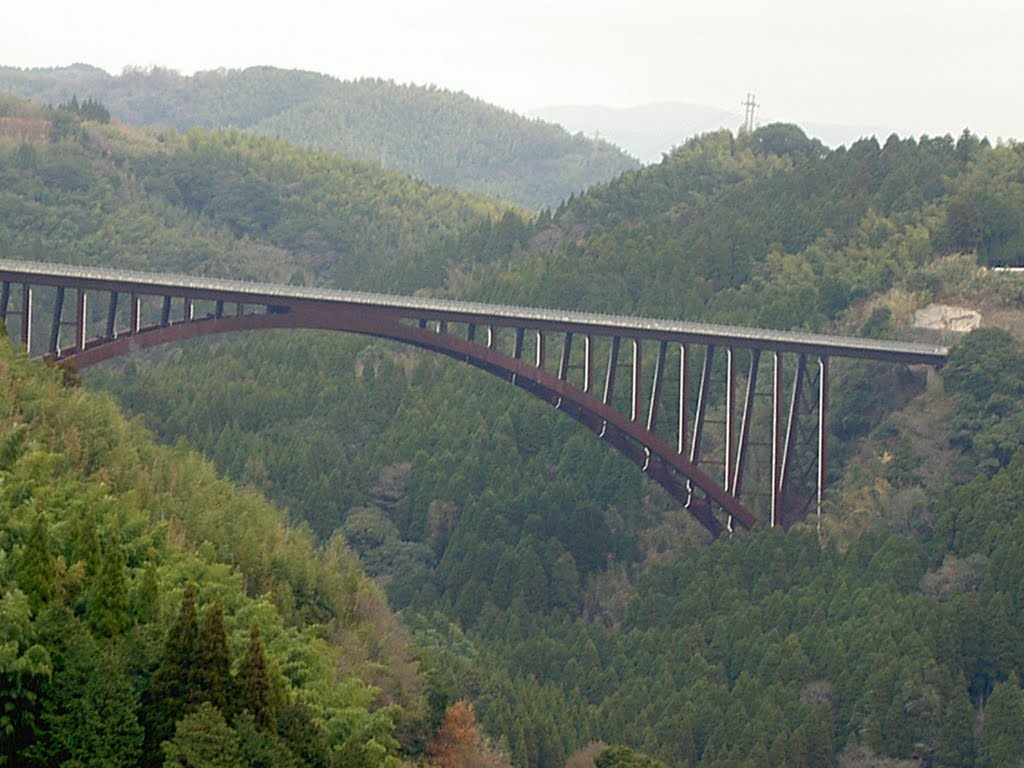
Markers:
point(702, 409)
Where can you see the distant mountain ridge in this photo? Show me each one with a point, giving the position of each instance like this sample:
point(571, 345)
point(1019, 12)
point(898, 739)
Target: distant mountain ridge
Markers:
point(647, 131)
point(444, 138)
point(650, 131)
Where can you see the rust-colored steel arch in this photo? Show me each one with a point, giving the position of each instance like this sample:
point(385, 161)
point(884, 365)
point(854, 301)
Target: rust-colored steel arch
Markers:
point(656, 458)
point(700, 451)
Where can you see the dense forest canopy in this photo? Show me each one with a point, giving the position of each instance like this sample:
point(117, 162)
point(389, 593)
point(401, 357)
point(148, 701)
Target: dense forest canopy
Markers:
point(543, 580)
point(138, 590)
point(445, 138)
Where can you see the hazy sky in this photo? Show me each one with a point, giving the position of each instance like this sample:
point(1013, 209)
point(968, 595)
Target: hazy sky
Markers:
point(912, 66)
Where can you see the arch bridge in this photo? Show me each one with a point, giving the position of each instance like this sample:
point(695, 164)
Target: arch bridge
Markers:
point(727, 419)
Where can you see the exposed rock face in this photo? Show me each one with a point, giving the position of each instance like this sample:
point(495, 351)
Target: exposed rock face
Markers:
point(944, 317)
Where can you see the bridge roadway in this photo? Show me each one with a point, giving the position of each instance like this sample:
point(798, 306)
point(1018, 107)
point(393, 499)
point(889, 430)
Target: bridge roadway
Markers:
point(559, 320)
point(697, 448)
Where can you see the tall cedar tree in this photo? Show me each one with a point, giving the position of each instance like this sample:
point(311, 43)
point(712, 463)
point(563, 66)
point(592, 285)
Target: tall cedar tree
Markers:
point(174, 686)
point(35, 570)
point(202, 738)
point(1002, 733)
point(214, 667)
point(253, 682)
point(108, 608)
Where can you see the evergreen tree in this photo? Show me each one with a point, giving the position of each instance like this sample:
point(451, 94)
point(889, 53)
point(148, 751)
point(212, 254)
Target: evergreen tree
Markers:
point(202, 738)
point(107, 606)
point(24, 666)
point(624, 757)
point(35, 570)
point(1002, 734)
point(85, 542)
point(303, 736)
point(146, 595)
point(258, 747)
point(214, 660)
point(89, 705)
point(173, 688)
point(254, 690)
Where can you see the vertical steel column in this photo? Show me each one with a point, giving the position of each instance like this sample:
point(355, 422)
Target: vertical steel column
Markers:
point(165, 313)
point(659, 368)
point(540, 359)
point(490, 337)
point(517, 347)
point(442, 325)
point(471, 332)
point(58, 310)
point(588, 363)
point(26, 317)
point(791, 428)
point(777, 447)
point(111, 329)
point(134, 328)
point(729, 436)
point(822, 433)
point(188, 313)
point(684, 395)
point(5, 298)
point(635, 397)
point(702, 404)
point(748, 416)
point(729, 453)
point(613, 364)
point(218, 309)
point(81, 321)
point(563, 364)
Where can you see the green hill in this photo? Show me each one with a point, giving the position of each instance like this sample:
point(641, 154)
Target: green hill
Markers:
point(145, 600)
point(568, 599)
point(445, 138)
point(529, 536)
point(224, 203)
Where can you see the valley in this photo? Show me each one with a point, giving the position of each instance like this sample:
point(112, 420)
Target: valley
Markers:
point(546, 596)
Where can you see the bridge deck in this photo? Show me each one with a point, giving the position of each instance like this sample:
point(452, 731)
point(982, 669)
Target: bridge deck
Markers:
point(155, 283)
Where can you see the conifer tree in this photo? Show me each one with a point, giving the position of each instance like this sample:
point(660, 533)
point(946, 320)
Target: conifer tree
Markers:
point(89, 705)
point(24, 666)
point(86, 540)
point(145, 596)
point(301, 734)
point(253, 682)
point(35, 570)
point(202, 738)
point(107, 607)
point(179, 661)
point(624, 757)
point(1002, 734)
point(173, 687)
point(214, 659)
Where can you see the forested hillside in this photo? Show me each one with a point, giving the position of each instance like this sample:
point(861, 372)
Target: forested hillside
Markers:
point(568, 599)
point(150, 610)
point(224, 203)
point(445, 138)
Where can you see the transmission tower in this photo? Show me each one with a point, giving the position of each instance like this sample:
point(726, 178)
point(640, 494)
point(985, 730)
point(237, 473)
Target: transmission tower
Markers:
point(748, 118)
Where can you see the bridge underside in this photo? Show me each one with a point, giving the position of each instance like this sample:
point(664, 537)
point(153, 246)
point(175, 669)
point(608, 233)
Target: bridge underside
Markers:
point(735, 433)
